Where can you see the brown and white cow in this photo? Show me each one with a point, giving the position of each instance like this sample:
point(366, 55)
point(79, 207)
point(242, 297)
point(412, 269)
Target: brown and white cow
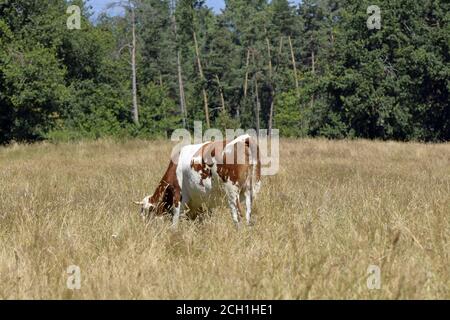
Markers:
point(202, 175)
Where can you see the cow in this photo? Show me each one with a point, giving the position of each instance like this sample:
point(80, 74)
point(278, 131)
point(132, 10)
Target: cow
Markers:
point(202, 175)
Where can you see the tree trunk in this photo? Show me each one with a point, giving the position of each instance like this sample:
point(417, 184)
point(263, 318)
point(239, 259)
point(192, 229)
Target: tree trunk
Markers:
point(180, 74)
point(294, 65)
point(313, 70)
point(256, 95)
point(258, 105)
point(222, 99)
point(272, 106)
point(202, 77)
point(246, 73)
point(205, 102)
point(181, 88)
point(133, 68)
point(281, 46)
point(272, 92)
point(269, 54)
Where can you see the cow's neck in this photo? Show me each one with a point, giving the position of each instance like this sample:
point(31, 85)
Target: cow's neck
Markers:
point(157, 196)
point(168, 185)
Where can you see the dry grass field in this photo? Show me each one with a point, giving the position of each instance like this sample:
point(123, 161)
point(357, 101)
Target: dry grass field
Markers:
point(334, 209)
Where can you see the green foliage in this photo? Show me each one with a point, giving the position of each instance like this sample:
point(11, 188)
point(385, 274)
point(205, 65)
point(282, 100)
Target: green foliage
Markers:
point(97, 110)
point(288, 118)
point(34, 91)
point(159, 113)
point(391, 83)
point(225, 121)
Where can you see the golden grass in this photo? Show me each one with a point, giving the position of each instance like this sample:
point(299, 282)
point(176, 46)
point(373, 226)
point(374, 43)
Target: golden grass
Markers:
point(334, 209)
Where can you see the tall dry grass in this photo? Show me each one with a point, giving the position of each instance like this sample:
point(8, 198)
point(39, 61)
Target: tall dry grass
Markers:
point(334, 209)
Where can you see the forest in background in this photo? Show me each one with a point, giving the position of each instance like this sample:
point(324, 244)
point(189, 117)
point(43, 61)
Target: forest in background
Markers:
point(314, 69)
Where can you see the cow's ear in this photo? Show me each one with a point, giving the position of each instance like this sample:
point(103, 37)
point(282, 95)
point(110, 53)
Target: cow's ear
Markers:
point(138, 203)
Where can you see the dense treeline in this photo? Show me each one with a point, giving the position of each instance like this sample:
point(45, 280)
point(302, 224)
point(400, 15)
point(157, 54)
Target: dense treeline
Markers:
point(314, 69)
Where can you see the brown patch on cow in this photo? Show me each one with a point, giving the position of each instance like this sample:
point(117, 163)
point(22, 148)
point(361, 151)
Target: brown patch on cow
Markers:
point(254, 148)
point(205, 172)
point(206, 153)
point(228, 168)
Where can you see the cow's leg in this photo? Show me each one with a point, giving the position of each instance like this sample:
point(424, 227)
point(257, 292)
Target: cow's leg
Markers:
point(232, 192)
point(248, 207)
point(179, 203)
point(176, 215)
point(235, 210)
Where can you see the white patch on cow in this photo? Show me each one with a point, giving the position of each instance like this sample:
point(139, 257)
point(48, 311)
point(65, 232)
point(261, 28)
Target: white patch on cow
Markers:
point(248, 206)
point(184, 161)
point(197, 159)
point(195, 191)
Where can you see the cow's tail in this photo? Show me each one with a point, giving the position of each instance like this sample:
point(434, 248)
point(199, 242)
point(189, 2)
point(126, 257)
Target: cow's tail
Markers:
point(255, 165)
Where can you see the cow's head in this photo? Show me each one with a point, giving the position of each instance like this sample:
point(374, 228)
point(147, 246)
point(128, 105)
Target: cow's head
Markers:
point(147, 207)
